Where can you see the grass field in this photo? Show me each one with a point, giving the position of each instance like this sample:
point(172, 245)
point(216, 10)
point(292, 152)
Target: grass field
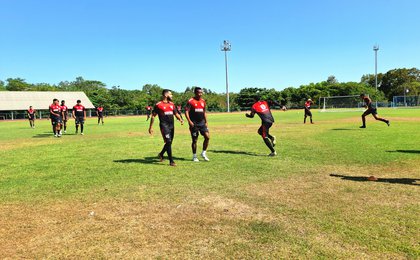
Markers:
point(105, 195)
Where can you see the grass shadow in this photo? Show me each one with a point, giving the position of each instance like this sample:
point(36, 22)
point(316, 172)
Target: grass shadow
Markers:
point(405, 151)
point(407, 181)
point(236, 152)
point(148, 160)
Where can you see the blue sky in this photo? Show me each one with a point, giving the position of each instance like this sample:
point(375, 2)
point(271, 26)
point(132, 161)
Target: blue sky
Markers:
point(176, 44)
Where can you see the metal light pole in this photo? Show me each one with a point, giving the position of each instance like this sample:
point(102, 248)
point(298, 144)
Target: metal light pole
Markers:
point(376, 49)
point(226, 47)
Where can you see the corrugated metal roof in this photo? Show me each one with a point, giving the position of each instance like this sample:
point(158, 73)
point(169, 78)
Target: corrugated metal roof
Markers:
point(21, 100)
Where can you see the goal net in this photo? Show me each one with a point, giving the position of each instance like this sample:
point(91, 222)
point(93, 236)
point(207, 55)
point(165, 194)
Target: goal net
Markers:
point(341, 103)
point(405, 101)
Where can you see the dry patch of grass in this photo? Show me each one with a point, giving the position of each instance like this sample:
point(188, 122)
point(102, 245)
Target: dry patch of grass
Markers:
point(196, 227)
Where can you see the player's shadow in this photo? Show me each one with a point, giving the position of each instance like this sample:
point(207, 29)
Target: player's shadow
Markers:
point(407, 181)
point(236, 152)
point(147, 160)
point(405, 151)
point(43, 135)
point(344, 129)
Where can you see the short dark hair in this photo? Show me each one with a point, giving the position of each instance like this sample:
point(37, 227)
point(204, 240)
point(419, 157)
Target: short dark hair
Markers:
point(362, 95)
point(165, 91)
point(78, 101)
point(196, 89)
point(55, 99)
point(62, 101)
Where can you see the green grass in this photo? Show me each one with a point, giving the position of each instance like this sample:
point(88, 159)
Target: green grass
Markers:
point(241, 204)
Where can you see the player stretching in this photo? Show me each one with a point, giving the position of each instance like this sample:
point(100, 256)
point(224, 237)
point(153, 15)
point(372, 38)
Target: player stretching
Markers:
point(263, 110)
point(148, 112)
point(166, 110)
point(308, 112)
point(31, 116)
point(65, 114)
point(55, 115)
point(99, 113)
point(370, 110)
point(195, 112)
point(79, 114)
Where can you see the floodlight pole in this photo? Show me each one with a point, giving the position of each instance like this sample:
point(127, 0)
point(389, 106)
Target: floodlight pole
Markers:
point(226, 47)
point(376, 49)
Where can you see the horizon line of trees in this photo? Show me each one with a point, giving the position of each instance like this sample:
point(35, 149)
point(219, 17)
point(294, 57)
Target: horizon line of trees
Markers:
point(395, 82)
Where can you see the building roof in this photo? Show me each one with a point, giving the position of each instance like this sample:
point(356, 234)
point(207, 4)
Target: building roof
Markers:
point(21, 100)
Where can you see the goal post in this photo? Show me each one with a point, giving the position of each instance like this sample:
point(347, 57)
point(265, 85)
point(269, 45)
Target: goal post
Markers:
point(341, 103)
point(405, 101)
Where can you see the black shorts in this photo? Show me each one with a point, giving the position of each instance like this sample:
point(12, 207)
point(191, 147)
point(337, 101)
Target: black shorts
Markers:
point(264, 129)
point(31, 118)
point(370, 110)
point(198, 128)
point(100, 115)
point(80, 120)
point(167, 133)
point(56, 120)
point(308, 112)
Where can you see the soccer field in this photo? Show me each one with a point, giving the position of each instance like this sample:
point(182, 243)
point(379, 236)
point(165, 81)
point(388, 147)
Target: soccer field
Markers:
point(106, 195)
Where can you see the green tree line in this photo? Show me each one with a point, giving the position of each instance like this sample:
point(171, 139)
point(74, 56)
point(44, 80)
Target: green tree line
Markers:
point(392, 83)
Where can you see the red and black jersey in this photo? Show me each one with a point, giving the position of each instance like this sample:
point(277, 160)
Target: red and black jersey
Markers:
point(166, 112)
point(308, 105)
point(79, 110)
point(64, 108)
point(100, 110)
point(56, 109)
point(148, 108)
point(368, 102)
point(196, 109)
point(263, 111)
point(31, 112)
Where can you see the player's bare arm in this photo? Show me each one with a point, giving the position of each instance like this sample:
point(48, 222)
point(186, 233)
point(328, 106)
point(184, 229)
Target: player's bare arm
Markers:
point(187, 115)
point(152, 120)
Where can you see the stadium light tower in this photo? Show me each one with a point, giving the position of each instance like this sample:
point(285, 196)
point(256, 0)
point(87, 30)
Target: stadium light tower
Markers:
point(226, 47)
point(376, 49)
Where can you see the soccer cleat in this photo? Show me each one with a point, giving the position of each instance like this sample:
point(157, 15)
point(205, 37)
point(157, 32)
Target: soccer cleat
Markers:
point(81, 133)
point(195, 159)
point(273, 140)
point(77, 131)
point(273, 154)
point(363, 126)
point(160, 157)
point(65, 131)
point(205, 157)
point(387, 122)
point(172, 164)
point(55, 135)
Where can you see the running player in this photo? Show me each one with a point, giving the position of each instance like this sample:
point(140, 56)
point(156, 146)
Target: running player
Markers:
point(263, 110)
point(99, 113)
point(166, 110)
point(65, 114)
point(307, 110)
point(370, 110)
point(31, 116)
point(79, 114)
point(148, 112)
point(195, 112)
point(55, 115)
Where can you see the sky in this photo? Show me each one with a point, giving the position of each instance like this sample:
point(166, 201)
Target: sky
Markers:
point(176, 43)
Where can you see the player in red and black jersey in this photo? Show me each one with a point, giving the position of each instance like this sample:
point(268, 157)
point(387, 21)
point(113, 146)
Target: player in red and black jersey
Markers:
point(370, 110)
point(31, 116)
point(79, 114)
point(263, 110)
point(148, 112)
point(166, 110)
point(55, 115)
point(307, 111)
point(100, 113)
point(64, 114)
point(195, 112)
